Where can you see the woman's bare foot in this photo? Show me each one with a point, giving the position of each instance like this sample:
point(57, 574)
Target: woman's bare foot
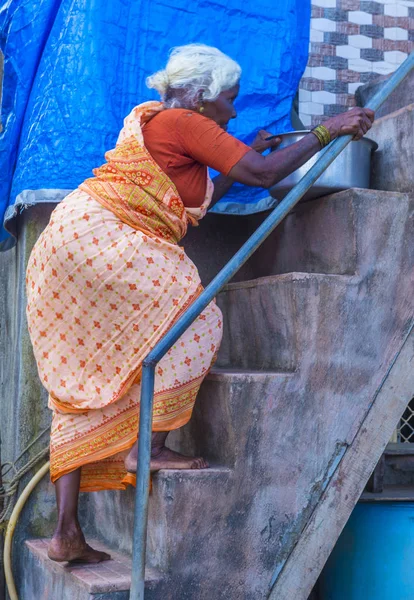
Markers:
point(162, 457)
point(167, 459)
point(68, 542)
point(72, 547)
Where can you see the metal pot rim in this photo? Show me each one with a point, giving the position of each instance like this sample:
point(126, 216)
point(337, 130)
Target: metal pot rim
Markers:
point(306, 131)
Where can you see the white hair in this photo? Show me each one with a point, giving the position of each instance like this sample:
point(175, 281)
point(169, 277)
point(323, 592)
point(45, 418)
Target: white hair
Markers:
point(192, 68)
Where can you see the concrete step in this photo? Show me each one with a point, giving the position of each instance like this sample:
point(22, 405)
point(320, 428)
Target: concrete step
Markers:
point(184, 504)
point(260, 324)
point(116, 510)
point(45, 579)
point(302, 242)
point(215, 430)
point(392, 163)
point(316, 237)
point(268, 322)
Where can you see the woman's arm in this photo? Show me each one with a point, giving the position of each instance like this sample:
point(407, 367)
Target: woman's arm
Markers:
point(265, 171)
point(223, 183)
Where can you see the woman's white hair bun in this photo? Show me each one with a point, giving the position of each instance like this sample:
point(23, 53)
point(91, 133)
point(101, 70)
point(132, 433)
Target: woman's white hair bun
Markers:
point(159, 81)
point(192, 68)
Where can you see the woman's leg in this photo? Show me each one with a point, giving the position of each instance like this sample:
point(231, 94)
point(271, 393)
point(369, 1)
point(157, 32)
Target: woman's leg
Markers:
point(188, 360)
point(68, 542)
point(162, 457)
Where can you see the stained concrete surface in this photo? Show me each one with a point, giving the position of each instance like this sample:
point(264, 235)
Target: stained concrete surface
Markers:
point(278, 434)
point(392, 163)
point(271, 435)
point(400, 97)
point(271, 430)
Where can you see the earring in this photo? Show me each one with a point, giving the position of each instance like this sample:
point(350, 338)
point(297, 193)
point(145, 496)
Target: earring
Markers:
point(201, 109)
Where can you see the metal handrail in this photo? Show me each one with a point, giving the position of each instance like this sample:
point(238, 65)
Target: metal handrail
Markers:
point(234, 264)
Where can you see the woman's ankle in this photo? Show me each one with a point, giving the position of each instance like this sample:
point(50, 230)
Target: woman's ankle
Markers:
point(65, 528)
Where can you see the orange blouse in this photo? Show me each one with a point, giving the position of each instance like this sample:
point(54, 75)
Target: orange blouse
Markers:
point(184, 143)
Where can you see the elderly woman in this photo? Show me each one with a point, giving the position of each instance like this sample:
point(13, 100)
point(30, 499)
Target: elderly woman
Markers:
point(107, 278)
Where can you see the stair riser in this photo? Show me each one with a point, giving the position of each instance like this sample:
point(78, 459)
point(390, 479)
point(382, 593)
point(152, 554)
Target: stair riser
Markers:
point(259, 328)
point(317, 237)
point(392, 164)
point(109, 516)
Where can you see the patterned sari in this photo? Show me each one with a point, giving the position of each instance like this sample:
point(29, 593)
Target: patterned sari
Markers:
point(105, 281)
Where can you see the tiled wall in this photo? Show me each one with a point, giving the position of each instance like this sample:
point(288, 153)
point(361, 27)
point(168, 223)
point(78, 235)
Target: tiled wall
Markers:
point(351, 42)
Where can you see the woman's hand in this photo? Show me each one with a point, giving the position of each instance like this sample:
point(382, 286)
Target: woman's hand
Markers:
point(355, 122)
point(260, 144)
point(264, 171)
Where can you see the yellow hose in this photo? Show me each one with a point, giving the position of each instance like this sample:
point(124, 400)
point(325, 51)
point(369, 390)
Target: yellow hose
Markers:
point(11, 588)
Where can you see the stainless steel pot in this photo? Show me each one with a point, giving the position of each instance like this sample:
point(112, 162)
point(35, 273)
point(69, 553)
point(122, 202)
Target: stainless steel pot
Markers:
point(350, 169)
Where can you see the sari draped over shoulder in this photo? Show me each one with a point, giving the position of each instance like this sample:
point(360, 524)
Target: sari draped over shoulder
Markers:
point(105, 281)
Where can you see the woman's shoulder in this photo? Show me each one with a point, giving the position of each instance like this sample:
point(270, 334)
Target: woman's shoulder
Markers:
point(180, 117)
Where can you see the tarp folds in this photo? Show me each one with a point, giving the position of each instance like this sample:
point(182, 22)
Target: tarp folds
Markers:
point(74, 69)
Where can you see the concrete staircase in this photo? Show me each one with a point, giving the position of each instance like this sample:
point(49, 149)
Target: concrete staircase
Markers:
point(46, 579)
point(313, 375)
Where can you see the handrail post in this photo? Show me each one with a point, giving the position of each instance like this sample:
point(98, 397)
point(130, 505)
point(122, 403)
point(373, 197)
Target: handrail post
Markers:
point(194, 310)
point(143, 483)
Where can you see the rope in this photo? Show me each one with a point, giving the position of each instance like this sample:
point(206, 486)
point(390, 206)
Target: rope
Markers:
point(8, 490)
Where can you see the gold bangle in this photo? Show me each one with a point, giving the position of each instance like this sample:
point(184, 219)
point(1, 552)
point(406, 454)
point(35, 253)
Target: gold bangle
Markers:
point(319, 137)
point(326, 134)
point(323, 135)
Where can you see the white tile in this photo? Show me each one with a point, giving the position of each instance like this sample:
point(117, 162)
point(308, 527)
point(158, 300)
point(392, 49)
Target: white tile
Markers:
point(352, 87)
point(383, 68)
point(324, 97)
point(304, 96)
point(360, 41)
point(409, 3)
point(348, 52)
point(306, 119)
point(394, 57)
point(396, 10)
point(315, 35)
point(307, 72)
point(362, 18)
point(323, 73)
point(323, 25)
point(395, 33)
point(360, 65)
point(324, 3)
point(311, 108)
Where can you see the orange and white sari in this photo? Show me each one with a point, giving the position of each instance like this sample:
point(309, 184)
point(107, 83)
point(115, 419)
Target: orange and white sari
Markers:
point(105, 281)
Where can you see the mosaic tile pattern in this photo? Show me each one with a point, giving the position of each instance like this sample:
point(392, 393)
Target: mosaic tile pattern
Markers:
point(352, 42)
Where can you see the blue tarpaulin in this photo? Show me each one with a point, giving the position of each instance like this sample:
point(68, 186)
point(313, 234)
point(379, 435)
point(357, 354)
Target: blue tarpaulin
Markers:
point(73, 69)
